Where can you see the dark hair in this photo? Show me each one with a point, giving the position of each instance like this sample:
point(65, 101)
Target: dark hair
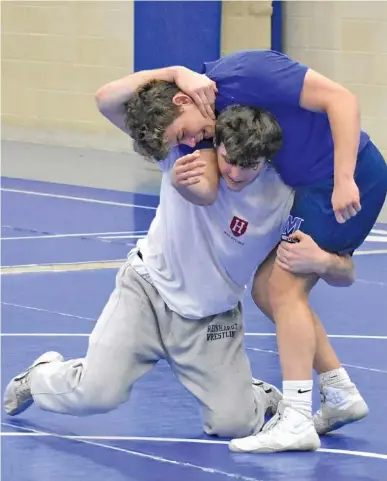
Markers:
point(149, 112)
point(247, 134)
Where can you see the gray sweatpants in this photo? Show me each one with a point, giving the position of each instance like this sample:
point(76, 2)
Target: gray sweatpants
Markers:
point(134, 331)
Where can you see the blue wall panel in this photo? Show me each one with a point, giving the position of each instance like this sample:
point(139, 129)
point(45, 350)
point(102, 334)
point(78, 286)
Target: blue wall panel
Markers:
point(176, 33)
point(276, 26)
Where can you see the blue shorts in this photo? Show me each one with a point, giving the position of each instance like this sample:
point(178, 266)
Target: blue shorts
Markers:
point(313, 214)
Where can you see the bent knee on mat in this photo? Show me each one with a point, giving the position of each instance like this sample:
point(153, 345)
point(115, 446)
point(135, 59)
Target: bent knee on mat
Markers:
point(231, 424)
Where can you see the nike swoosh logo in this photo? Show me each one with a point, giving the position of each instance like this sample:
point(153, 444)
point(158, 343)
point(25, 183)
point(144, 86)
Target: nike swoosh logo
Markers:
point(302, 391)
point(261, 384)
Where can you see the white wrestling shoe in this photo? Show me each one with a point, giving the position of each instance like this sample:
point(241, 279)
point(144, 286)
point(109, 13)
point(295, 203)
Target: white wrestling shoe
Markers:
point(272, 395)
point(288, 430)
point(340, 406)
point(17, 396)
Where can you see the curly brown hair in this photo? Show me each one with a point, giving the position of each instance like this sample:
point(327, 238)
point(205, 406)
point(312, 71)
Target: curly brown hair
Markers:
point(149, 112)
point(248, 133)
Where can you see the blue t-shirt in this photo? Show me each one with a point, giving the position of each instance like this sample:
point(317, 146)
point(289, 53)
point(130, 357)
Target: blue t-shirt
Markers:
point(273, 81)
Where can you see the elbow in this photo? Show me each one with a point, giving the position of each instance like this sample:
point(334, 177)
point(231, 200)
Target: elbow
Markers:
point(352, 97)
point(100, 98)
point(350, 272)
point(349, 96)
point(350, 278)
point(103, 98)
point(354, 102)
point(99, 94)
point(343, 98)
point(347, 279)
point(211, 193)
point(210, 197)
point(206, 199)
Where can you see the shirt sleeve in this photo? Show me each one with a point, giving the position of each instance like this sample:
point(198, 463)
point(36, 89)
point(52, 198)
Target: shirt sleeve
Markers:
point(258, 77)
point(182, 150)
point(167, 163)
point(202, 145)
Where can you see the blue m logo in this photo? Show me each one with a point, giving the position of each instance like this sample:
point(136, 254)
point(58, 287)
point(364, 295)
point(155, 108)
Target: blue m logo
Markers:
point(292, 225)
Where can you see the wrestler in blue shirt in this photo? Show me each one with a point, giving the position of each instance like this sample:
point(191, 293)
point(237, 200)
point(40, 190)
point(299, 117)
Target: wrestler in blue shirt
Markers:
point(319, 167)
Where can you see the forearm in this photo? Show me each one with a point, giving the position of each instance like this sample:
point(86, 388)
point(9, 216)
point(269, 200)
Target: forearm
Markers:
point(111, 97)
point(205, 177)
point(338, 271)
point(344, 118)
point(203, 193)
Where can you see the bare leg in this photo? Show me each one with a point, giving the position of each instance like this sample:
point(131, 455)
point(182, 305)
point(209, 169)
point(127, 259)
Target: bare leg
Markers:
point(292, 428)
point(296, 338)
point(325, 358)
point(342, 402)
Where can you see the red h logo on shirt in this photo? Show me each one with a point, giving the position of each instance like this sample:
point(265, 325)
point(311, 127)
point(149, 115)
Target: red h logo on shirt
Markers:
point(238, 226)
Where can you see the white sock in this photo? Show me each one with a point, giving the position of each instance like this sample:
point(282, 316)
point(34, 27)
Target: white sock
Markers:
point(298, 394)
point(337, 378)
